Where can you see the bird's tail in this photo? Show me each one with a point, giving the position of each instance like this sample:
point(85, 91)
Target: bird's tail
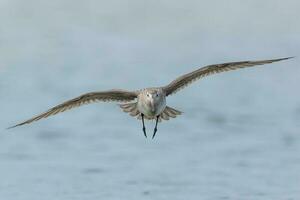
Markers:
point(130, 108)
point(168, 112)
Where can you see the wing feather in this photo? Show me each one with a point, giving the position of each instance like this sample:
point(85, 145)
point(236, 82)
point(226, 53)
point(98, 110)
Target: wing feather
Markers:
point(184, 80)
point(111, 95)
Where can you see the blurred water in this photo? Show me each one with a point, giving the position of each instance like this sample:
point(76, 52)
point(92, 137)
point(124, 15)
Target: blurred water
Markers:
point(237, 139)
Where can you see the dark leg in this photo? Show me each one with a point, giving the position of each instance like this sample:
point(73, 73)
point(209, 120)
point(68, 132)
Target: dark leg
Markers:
point(155, 129)
point(144, 129)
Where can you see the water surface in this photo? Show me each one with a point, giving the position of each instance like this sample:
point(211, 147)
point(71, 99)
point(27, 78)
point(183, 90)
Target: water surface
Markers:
point(239, 136)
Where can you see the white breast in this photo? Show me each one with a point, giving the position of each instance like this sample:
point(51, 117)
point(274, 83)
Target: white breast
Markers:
point(151, 107)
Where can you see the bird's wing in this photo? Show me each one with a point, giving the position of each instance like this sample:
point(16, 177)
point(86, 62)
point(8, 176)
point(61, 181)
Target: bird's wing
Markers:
point(111, 95)
point(186, 79)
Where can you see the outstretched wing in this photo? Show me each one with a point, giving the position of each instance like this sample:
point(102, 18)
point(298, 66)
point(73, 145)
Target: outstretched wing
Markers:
point(186, 79)
point(111, 95)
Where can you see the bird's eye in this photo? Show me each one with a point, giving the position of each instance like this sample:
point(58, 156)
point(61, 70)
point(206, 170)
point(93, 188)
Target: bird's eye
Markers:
point(156, 95)
point(148, 95)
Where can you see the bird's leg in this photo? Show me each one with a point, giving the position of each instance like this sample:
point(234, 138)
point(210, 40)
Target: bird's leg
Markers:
point(155, 129)
point(144, 129)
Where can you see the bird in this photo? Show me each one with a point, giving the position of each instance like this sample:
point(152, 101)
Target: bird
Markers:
point(148, 103)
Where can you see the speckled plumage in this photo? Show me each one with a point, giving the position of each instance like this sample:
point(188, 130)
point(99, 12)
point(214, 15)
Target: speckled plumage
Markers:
point(149, 103)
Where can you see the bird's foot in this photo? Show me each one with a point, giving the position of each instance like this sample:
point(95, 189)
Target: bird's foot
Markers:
point(144, 130)
point(154, 133)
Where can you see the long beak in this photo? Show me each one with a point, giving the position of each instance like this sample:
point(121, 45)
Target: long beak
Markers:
point(152, 105)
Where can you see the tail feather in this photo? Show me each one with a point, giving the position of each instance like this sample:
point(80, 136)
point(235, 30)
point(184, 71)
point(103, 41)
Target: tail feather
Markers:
point(164, 115)
point(131, 109)
point(170, 113)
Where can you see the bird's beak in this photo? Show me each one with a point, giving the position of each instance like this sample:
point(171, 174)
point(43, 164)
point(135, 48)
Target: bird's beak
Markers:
point(152, 106)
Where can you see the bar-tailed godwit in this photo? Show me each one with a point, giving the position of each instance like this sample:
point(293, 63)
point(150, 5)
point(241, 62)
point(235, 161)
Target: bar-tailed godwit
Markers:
point(149, 103)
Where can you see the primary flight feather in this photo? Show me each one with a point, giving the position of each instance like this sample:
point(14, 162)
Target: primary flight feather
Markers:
point(149, 103)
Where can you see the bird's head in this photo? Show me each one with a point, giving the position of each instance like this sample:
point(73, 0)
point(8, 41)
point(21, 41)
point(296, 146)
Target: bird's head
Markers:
point(153, 100)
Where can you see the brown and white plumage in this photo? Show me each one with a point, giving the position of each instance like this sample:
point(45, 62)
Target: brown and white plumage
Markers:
point(149, 103)
point(111, 95)
point(187, 79)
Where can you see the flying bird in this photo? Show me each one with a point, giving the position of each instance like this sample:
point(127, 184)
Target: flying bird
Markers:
point(148, 103)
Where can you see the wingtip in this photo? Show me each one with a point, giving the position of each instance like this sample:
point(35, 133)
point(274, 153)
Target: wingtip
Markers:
point(14, 126)
point(286, 58)
point(281, 59)
point(11, 127)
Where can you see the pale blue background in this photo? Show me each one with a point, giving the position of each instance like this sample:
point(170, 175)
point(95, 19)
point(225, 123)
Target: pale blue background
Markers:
point(239, 136)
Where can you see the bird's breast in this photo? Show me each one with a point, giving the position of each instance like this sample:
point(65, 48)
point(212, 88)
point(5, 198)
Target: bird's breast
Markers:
point(151, 109)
